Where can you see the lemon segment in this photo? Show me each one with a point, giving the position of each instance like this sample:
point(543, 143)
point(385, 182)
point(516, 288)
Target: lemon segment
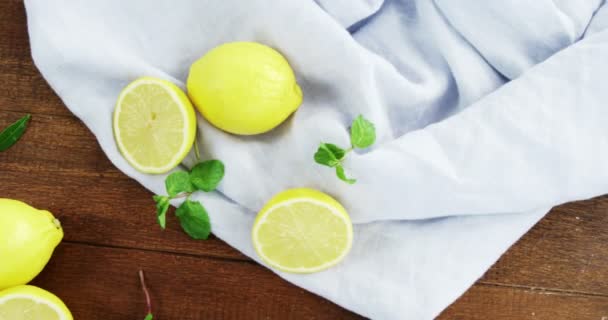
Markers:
point(29, 302)
point(154, 125)
point(28, 237)
point(302, 231)
point(244, 87)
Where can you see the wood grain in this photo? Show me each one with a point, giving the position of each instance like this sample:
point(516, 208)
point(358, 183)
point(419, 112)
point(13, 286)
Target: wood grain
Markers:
point(567, 250)
point(559, 270)
point(102, 283)
point(95, 281)
point(27, 92)
point(483, 302)
point(58, 145)
point(107, 211)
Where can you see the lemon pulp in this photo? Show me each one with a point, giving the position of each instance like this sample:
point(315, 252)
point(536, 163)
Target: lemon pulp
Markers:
point(302, 231)
point(29, 302)
point(154, 124)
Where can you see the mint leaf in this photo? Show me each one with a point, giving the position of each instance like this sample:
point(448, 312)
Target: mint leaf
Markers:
point(329, 154)
point(207, 175)
point(178, 182)
point(362, 133)
point(148, 317)
point(340, 173)
point(194, 219)
point(10, 135)
point(162, 205)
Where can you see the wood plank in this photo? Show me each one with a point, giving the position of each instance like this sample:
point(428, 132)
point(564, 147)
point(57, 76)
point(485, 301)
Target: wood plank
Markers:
point(55, 144)
point(108, 211)
point(102, 283)
point(23, 87)
point(568, 250)
point(483, 302)
point(99, 282)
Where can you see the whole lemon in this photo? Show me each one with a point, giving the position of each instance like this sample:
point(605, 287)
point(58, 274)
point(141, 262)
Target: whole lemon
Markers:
point(244, 87)
point(28, 237)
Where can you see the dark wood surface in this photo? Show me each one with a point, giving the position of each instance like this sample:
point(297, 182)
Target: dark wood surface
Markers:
point(559, 270)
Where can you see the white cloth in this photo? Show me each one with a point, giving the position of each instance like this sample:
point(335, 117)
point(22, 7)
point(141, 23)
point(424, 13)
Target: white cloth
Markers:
point(464, 163)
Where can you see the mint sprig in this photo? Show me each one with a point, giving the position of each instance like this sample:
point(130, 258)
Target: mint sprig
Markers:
point(362, 135)
point(12, 133)
point(192, 215)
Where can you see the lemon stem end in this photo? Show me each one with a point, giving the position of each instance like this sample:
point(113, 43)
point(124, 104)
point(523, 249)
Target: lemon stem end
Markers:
point(57, 223)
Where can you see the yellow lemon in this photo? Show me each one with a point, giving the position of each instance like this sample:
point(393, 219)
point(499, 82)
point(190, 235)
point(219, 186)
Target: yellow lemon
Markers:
point(302, 231)
point(154, 124)
point(28, 237)
point(244, 88)
point(29, 302)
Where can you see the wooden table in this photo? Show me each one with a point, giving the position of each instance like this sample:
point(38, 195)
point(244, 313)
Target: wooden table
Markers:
point(559, 270)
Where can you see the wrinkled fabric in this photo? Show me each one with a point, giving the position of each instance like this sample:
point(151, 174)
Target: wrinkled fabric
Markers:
point(487, 114)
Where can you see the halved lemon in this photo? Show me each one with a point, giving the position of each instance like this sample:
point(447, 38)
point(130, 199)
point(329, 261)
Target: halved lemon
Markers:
point(154, 124)
point(29, 302)
point(302, 231)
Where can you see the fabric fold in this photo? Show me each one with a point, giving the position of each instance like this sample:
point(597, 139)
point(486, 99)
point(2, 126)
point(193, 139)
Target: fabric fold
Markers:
point(535, 142)
point(514, 36)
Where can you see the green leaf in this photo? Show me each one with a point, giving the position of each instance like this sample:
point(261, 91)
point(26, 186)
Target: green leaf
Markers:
point(362, 133)
point(148, 317)
point(329, 154)
point(10, 135)
point(162, 205)
point(340, 173)
point(178, 182)
point(194, 219)
point(207, 175)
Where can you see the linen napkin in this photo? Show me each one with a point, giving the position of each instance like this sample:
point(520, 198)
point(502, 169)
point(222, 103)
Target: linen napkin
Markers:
point(487, 114)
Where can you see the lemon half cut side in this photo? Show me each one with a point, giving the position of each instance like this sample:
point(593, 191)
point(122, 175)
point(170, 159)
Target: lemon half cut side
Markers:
point(302, 231)
point(154, 125)
point(29, 302)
